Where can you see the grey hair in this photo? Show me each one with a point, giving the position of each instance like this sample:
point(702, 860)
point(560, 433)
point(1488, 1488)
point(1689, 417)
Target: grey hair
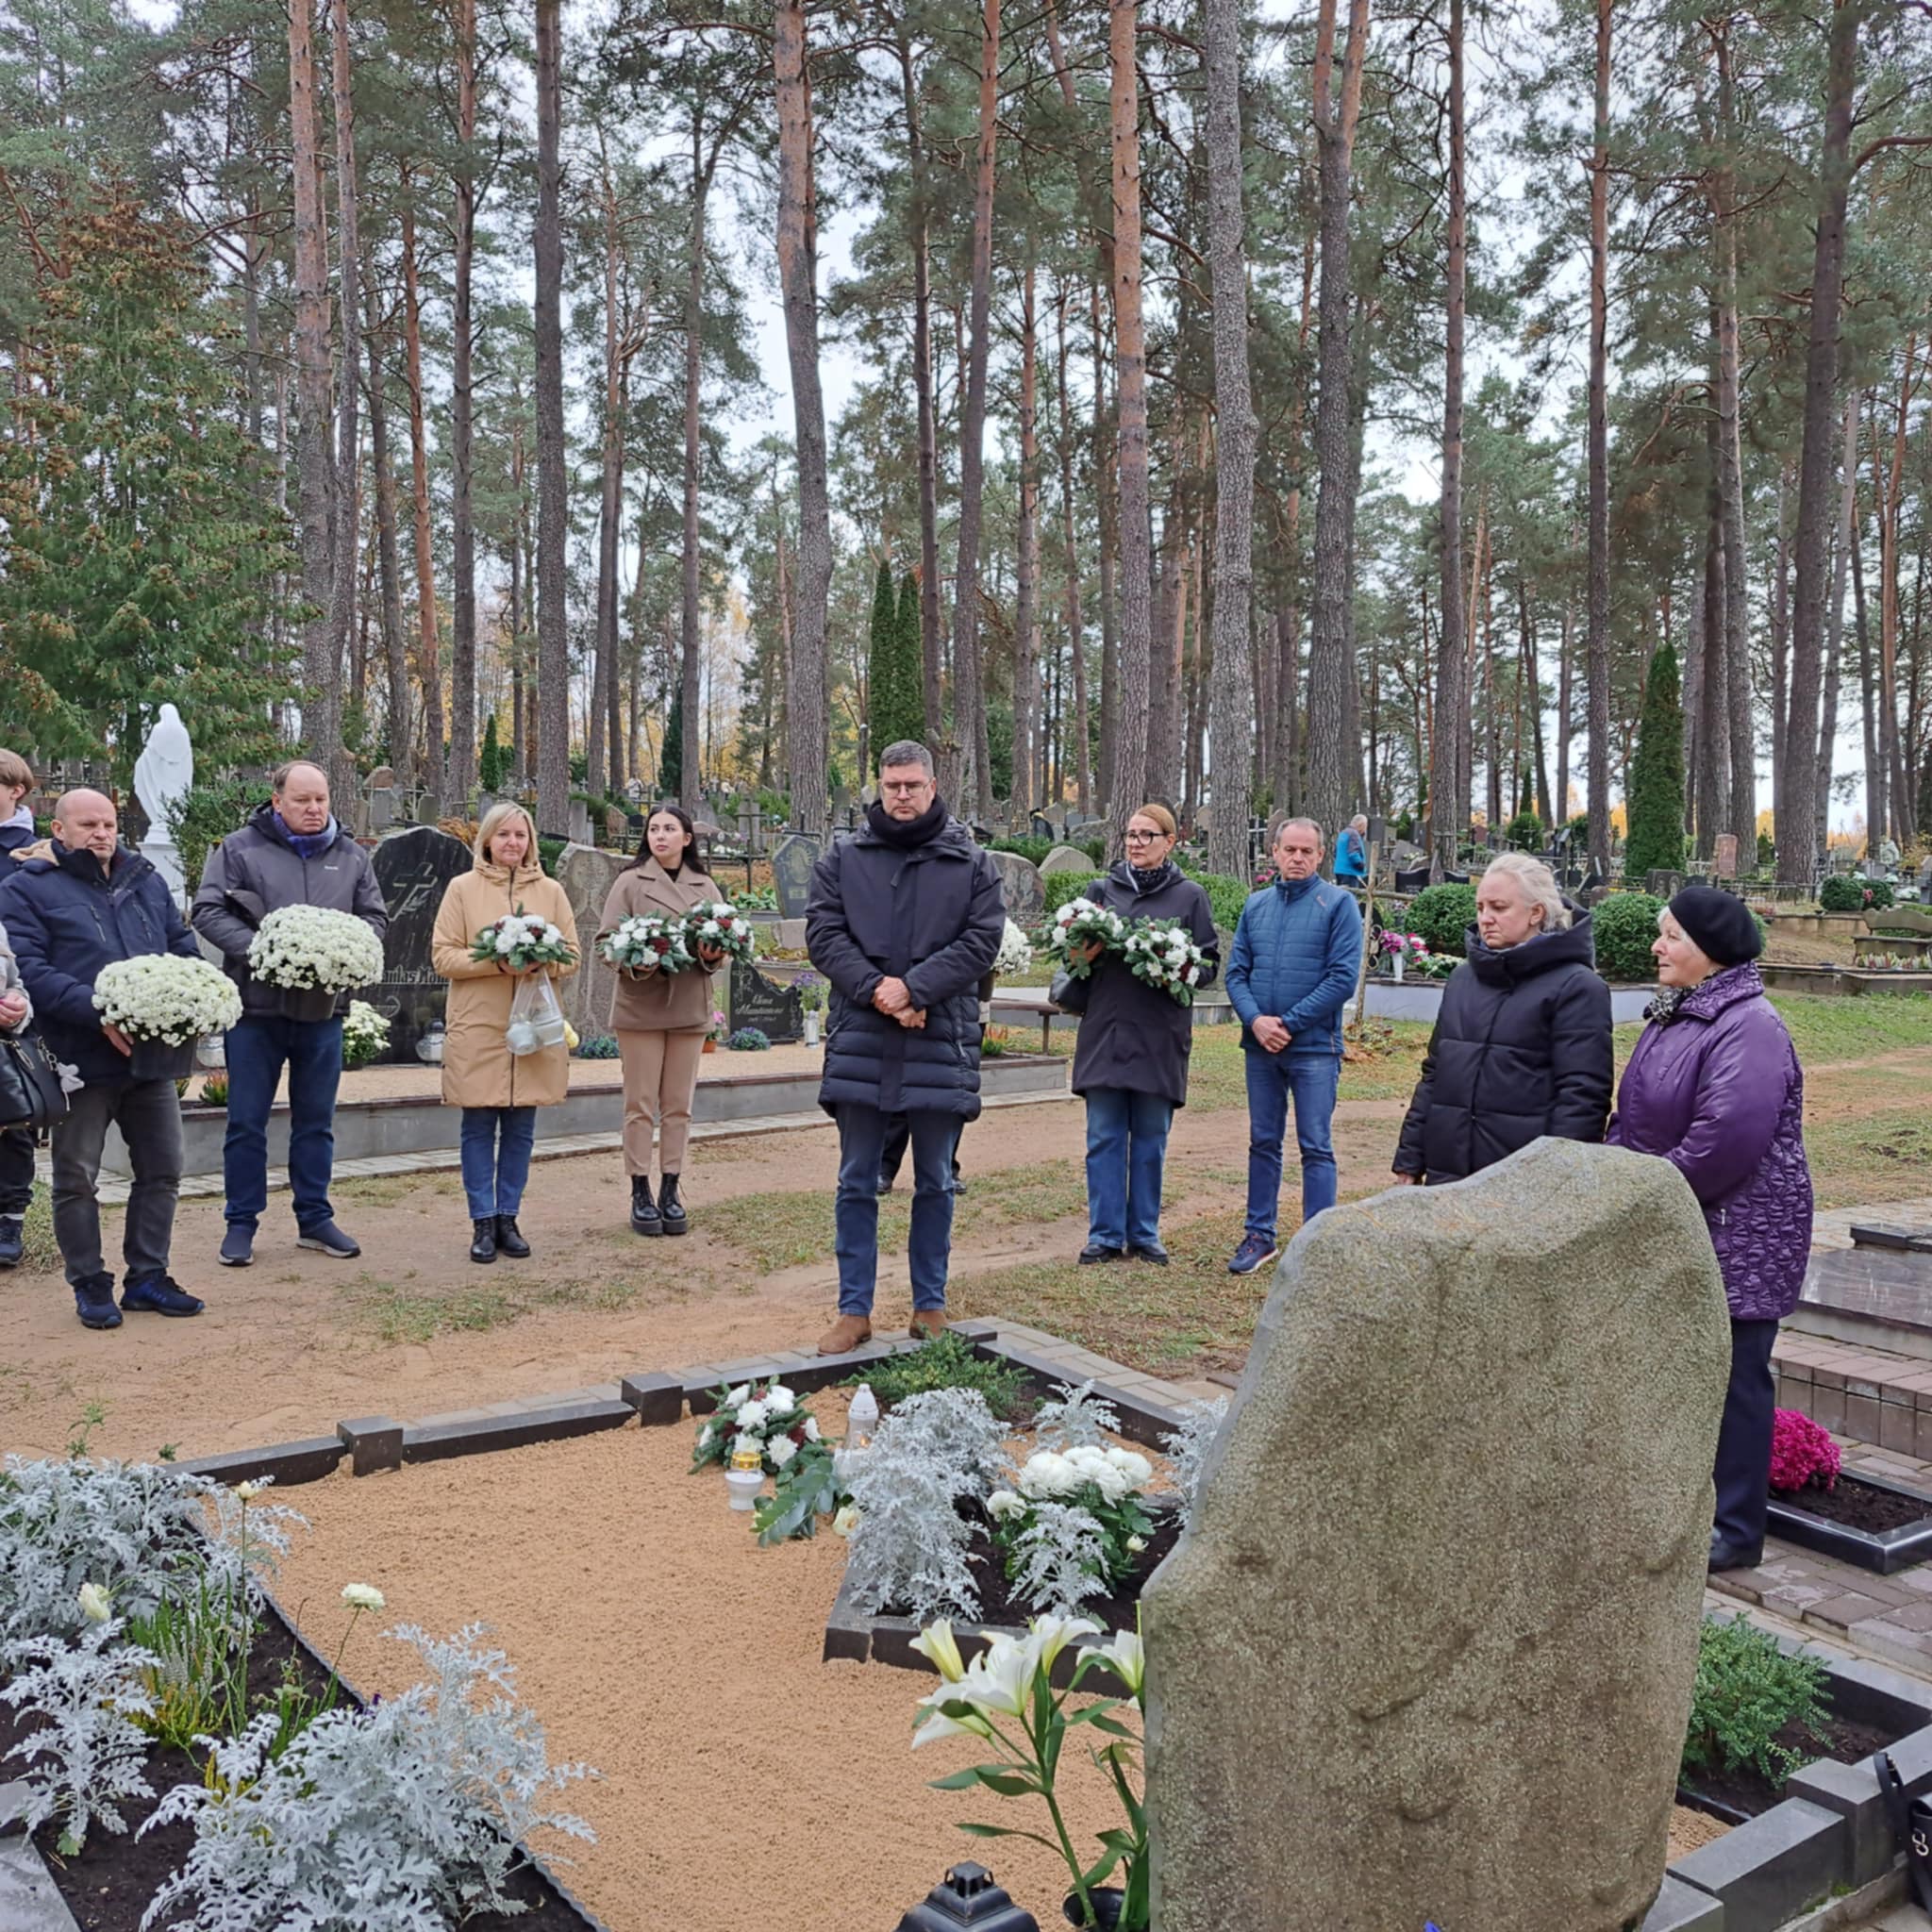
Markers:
point(908, 751)
point(1321, 837)
point(1360, 822)
point(1538, 885)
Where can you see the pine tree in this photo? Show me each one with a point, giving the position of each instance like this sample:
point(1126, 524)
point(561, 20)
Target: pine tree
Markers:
point(910, 722)
point(1656, 775)
point(670, 766)
point(492, 760)
point(882, 663)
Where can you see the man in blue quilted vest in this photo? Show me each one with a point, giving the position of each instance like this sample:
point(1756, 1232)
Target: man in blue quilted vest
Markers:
point(1290, 971)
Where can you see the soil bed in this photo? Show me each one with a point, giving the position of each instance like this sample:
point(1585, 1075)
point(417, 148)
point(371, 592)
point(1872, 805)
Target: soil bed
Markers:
point(1735, 1796)
point(114, 1879)
point(1858, 1506)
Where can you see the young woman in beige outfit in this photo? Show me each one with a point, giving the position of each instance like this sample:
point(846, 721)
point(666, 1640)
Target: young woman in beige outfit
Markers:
point(661, 1019)
point(498, 1091)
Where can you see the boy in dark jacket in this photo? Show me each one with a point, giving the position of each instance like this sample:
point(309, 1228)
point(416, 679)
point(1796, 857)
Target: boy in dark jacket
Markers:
point(87, 902)
point(905, 920)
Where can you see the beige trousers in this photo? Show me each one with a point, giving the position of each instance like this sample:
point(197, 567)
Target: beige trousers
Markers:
point(661, 1075)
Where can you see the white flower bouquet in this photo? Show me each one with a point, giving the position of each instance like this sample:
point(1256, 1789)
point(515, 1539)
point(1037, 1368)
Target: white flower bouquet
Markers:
point(365, 1033)
point(521, 940)
point(163, 997)
point(720, 925)
point(311, 949)
point(1162, 955)
point(1077, 924)
point(1082, 1504)
point(1015, 954)
point(648, 941)
point(768, 1419)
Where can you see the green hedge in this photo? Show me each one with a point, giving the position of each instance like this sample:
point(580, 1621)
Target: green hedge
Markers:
point(1442, 915)
point(1847, 893)
point(1062, 886)
point(1625, 928)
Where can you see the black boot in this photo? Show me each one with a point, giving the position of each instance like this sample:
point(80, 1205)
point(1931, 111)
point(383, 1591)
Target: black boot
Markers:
point(510, 1239)
point(671, 1209)
point(484, 1247)
point(644, 1218)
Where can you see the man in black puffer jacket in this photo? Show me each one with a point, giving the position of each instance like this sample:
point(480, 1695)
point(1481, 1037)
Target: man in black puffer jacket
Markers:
point(1522, 1045)
point(905, 920)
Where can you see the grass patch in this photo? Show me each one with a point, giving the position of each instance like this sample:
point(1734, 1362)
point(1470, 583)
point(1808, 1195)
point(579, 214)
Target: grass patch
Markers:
point(391, 1189)
point(1870, 1157)
point(1384, 1067)
point(1825, 1028)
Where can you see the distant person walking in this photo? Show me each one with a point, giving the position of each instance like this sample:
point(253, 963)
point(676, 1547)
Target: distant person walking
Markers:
point(1714, 1087)
point(661, 1019)
point(74, 905)
point(904, 920)
point(291, 852)
point(1130, 1065)
point(1352, 852)
point(1521, 1042)
point(17, 783)
point(499, 1091)
point(1291, 969)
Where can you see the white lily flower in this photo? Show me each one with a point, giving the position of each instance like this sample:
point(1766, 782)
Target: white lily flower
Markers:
point(94, 1605)
point(1125, 1656)
point(939, 1646)
point(846, 1520)
point(1051, 1635)
point(937, 1725)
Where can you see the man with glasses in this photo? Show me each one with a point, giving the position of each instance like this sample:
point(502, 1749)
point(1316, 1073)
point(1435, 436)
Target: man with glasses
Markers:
point(905, 919)
point(1289, 973)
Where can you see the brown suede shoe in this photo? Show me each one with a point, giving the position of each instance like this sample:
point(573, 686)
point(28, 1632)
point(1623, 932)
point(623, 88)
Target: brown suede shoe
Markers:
point(927, 1323)
point(844, 1335)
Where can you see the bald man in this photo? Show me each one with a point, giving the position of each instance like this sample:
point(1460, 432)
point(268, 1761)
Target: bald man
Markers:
point(72, 907)
point(290, 853)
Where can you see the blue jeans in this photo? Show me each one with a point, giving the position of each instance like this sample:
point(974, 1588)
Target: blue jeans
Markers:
point(1126, 1143)
point(257, 1049)
point(1310, 1079)
point(496, 1144)
point(855, 1217)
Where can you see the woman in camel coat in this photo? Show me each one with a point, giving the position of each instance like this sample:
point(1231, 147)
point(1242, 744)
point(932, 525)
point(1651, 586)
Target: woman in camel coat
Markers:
point(498, 1091)
point(661, 1019)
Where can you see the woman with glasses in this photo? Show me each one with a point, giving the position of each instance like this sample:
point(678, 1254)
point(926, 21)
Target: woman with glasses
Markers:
point(1132, 1064)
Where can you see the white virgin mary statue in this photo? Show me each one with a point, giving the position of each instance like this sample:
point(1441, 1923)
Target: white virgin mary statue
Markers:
point(163, 776)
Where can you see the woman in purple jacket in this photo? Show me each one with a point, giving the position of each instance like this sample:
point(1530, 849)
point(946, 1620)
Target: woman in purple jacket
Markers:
point(1715, 1089)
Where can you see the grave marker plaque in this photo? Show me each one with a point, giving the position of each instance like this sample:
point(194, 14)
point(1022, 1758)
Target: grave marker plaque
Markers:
point(776, 1011)
point(791, 864)
point(412, 867)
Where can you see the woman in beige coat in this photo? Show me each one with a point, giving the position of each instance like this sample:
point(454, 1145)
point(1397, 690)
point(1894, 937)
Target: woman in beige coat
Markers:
point(498, 1091)
point(661, 1019)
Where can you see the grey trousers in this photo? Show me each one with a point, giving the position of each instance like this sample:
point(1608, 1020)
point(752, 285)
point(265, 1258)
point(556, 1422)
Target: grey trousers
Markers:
point(148, 1112)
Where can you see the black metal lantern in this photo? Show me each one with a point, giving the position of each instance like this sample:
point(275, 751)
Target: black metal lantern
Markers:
point(967, 1896)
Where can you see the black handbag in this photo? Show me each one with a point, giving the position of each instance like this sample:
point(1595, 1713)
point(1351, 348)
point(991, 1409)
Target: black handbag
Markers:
point(31, 1095)
point(1912, 1823)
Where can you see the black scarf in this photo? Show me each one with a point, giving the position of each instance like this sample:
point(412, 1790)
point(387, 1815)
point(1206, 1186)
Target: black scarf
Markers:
point(1141, 880)
point(907, 833)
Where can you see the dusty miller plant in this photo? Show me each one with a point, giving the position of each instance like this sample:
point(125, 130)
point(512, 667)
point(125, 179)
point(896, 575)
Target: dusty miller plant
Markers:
point(931, 1453)
point(398, 1818)
point(1079, 1420)
point(1062, 1556)
point(1187, 1450)
point(89, 1754)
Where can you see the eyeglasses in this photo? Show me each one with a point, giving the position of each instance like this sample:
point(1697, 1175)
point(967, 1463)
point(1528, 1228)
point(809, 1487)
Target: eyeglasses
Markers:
point(1144, 838)
point(906, 790)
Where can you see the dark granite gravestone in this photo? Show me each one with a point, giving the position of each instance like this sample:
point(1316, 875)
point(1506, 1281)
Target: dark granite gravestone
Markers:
point(412, 867)
point(778, 1012)
point(791, 864)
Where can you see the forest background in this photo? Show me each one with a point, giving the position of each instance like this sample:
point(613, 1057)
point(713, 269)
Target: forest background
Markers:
point(1325, 404)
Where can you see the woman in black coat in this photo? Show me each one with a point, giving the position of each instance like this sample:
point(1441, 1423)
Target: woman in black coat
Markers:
point(1132, 1064)
point(1522, 1045)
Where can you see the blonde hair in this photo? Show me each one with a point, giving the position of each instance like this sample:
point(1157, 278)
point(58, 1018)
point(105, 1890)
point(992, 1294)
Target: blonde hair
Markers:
point(494, 820)
point(14, 769)
point(1538, 885)
point(1161, 817)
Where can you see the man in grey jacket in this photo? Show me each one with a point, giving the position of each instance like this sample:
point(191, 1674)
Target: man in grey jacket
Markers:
point(290, 853)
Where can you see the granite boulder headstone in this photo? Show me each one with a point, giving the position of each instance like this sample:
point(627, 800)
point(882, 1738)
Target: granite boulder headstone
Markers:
point(1425, 1652)
point(791, 864)
point(1026, 893)
point(587, 873)
point(1065, 859)
point(412, 866)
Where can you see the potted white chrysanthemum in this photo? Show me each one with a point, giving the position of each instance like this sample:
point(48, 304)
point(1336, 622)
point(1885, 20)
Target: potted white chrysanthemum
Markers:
point(164, 1004)
point(312, 955)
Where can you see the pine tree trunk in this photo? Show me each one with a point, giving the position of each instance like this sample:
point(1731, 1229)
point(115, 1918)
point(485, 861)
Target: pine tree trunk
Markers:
point(1564, 642)
point(553, 482)
point(1840, 570)
point(969, 705)
point(1231, 706)
point(1076, 636)
point(932, 684)
point(348, 504)
point(807, 724)
point(1887, 501)
point(1874, 765)
point(694, 390)
point(1107, 502)
point(395, 651)
point(1796, 858)
point(603, 781)
point(322, 556)
point(462, 525)
point(1026, 588)
point(1714, 710)
point(428, 671)
point(1164, 728)
point(1329, 758)
point(1597, 633)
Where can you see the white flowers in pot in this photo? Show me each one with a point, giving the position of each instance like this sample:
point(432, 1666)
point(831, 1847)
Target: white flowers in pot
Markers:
point(1015, 954)
point(164, 997)
point(309, 948)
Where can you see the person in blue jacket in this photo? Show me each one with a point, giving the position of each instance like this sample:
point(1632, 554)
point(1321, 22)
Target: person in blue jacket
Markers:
point(1292, 966)
point(73, 905)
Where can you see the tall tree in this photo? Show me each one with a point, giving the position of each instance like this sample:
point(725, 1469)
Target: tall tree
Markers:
point(1027, 587)
point(462, 523)
point(349, 439)
point(1597, 604)
point(1448, 783)
point(552, 505)
point(1656, 804)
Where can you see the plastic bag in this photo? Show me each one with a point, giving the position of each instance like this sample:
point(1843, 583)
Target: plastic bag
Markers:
point(535, 1019)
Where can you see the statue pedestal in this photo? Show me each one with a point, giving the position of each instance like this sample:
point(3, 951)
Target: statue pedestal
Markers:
point(165, 856)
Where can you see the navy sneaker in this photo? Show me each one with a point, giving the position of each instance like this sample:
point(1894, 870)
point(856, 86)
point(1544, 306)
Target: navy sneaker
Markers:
point(1255, 1250)
point(237, 1244)
point(160, 1296)
point(93, 1302)
point(325, 1237)
point(12, 1239)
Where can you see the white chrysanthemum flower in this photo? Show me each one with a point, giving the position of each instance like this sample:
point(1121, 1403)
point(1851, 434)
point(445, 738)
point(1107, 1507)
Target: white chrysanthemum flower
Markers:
point(781, 1449)
point(751, 1415)
point(1003, 1504)
point(812, 1428)
point(94, 1605)
point(735, 1398)
point(779, 1399)
point(364, 1596)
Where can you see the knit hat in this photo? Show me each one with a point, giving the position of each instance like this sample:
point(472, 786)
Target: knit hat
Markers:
point(1718, 923)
